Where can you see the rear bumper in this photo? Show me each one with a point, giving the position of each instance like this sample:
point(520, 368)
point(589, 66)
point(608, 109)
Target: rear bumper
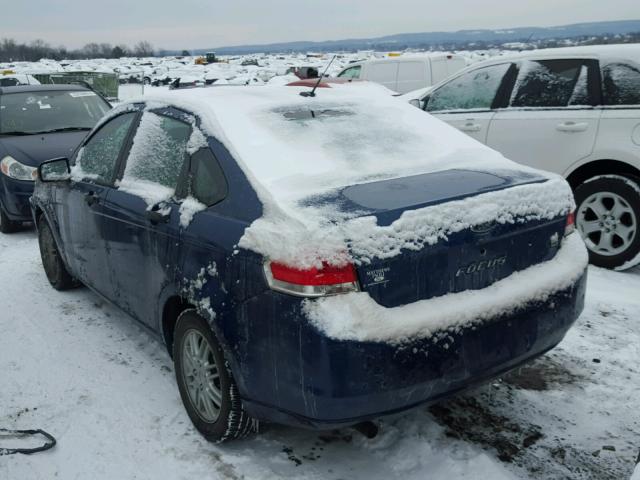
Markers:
point(14, 196)
point(293, 374)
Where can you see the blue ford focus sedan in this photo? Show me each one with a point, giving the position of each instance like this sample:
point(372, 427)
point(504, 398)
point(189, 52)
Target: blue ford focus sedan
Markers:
point(38, 122)
point(316, 261)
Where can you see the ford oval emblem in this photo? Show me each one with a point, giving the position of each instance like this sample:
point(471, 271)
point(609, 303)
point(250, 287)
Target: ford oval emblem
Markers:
point(484, 227)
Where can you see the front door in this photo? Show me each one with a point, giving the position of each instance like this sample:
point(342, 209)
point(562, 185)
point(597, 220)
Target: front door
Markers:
point(81, 201)
point(467, 102)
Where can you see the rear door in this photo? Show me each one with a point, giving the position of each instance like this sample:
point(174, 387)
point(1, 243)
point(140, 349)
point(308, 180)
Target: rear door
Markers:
point(552, 118)
point(619, 129)
point(142, 215)
point(467, 102)
point(81, 201)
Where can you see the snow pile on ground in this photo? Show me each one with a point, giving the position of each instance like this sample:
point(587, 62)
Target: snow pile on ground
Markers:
point(356, 316)
point(294, 148)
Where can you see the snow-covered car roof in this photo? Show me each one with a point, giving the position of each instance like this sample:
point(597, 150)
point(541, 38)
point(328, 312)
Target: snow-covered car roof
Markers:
point(296, 146)
point(297, 150)
point(22, 79)
point(601, 52)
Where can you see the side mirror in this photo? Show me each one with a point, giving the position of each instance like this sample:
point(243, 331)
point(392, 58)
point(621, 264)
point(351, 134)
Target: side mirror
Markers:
point(425, 102)
point(55, 170)
point(415, 102)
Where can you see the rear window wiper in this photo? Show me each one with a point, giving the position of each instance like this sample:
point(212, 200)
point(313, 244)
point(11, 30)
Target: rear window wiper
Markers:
point(64, 129)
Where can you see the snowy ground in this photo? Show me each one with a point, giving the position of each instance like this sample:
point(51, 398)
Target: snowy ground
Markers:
point(104, 387)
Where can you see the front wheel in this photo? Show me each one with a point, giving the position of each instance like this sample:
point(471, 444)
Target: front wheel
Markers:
point(54, 267)
point(607, 216)
point(208, 390)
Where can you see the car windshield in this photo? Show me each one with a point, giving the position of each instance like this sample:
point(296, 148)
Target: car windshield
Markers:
point(29, 113)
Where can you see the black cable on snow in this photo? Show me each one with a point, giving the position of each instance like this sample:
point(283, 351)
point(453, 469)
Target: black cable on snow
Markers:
point(49, 443)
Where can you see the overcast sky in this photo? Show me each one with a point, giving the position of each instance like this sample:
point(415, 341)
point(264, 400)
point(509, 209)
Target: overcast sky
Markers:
point(177, 24)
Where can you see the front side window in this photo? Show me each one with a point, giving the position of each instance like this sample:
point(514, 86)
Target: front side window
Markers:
point(475, 90)
point(156, 158)
point(353, 72)
point(97, 159)
point(551, 83)
point(621, 84)
point(40, 112)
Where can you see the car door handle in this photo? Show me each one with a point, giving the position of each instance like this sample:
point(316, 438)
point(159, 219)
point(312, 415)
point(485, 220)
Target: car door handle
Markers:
point(91, 198)
point(471, 127)
point(158, 216)
point(572, 126)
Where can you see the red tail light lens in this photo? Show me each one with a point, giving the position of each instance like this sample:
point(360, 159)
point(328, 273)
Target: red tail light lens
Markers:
point(311, 282)
point(571, 224)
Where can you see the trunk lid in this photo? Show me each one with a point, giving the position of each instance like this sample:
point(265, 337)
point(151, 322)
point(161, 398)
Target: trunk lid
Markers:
point(470, 259)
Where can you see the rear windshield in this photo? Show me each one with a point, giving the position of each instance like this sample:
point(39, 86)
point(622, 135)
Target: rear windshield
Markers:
point(42, 112)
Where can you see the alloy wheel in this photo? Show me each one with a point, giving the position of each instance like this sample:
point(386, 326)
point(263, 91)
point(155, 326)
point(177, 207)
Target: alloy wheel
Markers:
point(607, 223)
point(201, 375)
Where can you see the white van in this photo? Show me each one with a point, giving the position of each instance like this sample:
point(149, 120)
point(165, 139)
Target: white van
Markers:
point(407, 73)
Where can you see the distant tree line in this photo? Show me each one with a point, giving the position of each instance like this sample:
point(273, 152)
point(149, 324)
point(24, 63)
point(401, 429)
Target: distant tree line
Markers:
point(12, 51)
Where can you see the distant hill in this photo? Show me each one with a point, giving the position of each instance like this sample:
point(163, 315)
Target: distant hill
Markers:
point(461, 39)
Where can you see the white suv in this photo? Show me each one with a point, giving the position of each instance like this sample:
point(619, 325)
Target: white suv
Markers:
point(573, 111)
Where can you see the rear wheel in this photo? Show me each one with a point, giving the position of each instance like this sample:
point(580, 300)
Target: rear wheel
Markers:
point(208, 390)
point(55, 269)
point(608, 216)
point(7, 225)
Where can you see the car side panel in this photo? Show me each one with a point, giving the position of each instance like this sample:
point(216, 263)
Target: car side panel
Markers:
point(474, 124)
point(546, 139)
point(81, 231)
point(143, 256)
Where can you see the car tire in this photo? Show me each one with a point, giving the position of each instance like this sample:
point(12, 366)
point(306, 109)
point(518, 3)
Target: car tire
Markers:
point(205, 382)
point(54, 267)
point(7, 225)
point(608, 218)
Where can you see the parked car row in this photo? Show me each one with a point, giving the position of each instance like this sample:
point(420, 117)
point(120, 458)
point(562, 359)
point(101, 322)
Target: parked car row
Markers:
point(317, 257)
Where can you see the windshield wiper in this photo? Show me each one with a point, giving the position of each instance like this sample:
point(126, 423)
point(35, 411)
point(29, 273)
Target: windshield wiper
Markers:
point(14, 134)
point(63, 129)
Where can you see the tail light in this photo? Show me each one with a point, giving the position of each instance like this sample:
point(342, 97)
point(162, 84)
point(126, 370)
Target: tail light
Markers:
point(311, 282)
point(570, 227)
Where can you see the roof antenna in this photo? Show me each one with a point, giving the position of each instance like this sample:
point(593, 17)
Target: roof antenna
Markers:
point(312, 93)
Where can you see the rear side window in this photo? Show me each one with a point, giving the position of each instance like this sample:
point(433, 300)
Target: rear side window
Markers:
point(353, 72)
point(98, 157)
point(551, 83)
point(208, 183)
point(474, 90)
point(158, 151)
point(621, 84)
